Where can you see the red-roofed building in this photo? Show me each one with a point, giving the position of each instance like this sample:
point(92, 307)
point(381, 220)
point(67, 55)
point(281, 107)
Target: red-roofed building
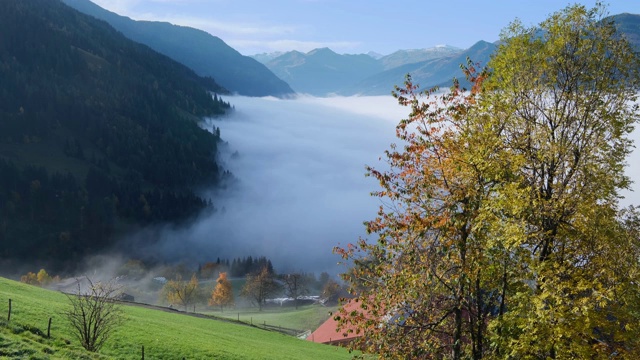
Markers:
point(328, 332)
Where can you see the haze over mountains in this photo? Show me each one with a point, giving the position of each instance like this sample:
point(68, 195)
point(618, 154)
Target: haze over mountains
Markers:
point(206, 54)
point(319, 72)
point(322, 72)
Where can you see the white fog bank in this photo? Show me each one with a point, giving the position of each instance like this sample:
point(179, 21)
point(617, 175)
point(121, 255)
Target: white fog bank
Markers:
point(301, 188)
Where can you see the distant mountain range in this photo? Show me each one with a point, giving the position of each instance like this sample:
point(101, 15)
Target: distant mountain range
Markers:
point(403, 57)
point(437, 71)
point(266, 57)
point(323, 72)
point(206, 54)
point(319, 72)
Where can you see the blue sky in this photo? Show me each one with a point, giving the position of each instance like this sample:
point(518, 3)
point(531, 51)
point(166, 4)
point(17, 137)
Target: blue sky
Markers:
point(348, 26)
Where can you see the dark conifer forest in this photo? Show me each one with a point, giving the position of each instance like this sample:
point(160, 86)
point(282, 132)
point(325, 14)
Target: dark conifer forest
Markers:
point(97, 134)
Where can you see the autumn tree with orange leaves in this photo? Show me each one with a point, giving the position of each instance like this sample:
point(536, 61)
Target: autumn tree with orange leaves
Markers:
point(429, 271)
point(222, 294)
point(500, 234)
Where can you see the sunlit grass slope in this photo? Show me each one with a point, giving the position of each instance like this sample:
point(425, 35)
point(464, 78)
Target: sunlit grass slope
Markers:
point(308, 317)
point(164, 335)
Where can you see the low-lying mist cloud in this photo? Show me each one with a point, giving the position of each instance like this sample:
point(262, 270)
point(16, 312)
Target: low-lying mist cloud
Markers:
point(301, 189)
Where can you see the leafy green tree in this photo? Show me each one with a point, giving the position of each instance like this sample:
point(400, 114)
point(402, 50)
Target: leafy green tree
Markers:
point(502, 237)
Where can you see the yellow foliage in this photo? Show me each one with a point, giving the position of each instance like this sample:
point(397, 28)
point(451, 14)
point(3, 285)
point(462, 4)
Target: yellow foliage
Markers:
point(42, 278)
point(30, 278)
point(181, 292)
point(501, 234)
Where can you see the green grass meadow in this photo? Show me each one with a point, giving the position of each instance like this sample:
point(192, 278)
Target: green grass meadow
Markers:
point(308, 317)
point(164, 335)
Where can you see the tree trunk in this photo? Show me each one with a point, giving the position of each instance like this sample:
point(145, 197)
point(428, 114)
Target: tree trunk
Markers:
point(457, 335)
point(478, 330)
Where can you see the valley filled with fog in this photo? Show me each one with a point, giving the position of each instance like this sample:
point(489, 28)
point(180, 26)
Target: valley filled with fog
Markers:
point(301, 187)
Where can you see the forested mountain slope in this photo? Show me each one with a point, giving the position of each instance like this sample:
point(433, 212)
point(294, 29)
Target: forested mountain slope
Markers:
point(206, 54)
point(629, 25)
point(96, 131)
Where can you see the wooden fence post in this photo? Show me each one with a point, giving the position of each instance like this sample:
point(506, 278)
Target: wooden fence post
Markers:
point(142, 352)
point(49, 329)
point(9, 316)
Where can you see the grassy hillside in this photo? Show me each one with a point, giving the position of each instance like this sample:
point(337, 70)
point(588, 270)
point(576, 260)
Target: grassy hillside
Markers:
point(165, 335)
point(308, 317)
